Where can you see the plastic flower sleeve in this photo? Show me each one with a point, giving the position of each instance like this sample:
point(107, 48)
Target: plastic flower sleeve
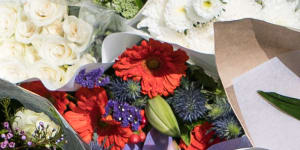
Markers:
point(39, 104)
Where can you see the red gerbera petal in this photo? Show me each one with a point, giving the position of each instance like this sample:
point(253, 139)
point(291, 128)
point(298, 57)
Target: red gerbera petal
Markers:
point(155, 64)
point(36, 87)
point(60, 101)
point(201, 138)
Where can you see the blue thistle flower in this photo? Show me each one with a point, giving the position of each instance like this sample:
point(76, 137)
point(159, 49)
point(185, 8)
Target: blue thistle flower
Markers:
point(220, 108)
point(125, 91)
point(227, 126)
point(123, 112)
point(92, 78)
point(188, 102)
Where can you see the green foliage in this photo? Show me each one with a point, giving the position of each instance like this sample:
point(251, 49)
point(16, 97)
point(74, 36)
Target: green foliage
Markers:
point(126, 8)
point(286, 104)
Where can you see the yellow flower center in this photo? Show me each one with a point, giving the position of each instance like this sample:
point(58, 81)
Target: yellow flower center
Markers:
point(207, 4)
point(152, 64)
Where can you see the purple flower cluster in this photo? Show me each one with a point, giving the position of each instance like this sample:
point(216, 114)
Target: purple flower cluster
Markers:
point(123, 112)
point(92, 79)
point(8, 137)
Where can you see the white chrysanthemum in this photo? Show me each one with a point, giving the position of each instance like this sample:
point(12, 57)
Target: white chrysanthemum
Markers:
point(239, 9)
point(8, 19)
point(281, 12)
point(175, 15)
point(202, 11)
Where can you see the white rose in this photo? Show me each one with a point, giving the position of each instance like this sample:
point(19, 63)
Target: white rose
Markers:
point(78, 32)
point(12, 49)
point(29, 121)
point(52, 76)
point(13, 71)
point(84, 60)
point(26, 31)
point(31, 55)
point(44, 12)
point(54, 50)
point(8, 17)
point(54, 29)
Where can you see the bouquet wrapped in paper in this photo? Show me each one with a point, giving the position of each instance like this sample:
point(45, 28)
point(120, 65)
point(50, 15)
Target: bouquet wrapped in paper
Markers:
point(30, 121)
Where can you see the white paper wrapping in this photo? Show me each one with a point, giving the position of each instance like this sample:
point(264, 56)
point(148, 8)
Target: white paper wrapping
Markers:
point(268, 127)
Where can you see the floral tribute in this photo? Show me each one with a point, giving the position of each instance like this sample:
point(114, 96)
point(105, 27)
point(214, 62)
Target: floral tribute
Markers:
point(150, 85)
point(23, 128)
point(41, 39)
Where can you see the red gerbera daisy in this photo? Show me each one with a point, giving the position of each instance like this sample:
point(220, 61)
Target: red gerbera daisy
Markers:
point(87, 117)
point(201, 138)
point(60, 101)
point(116, 135)
point(155, 64)
point(84, 117)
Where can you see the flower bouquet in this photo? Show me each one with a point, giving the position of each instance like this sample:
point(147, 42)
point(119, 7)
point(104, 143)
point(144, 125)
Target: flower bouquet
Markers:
point(30, 122)
point(149, 85)
point(189, 23)
point(48, 40)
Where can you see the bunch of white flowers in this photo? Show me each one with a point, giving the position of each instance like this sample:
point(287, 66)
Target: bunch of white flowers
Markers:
point(38, 39)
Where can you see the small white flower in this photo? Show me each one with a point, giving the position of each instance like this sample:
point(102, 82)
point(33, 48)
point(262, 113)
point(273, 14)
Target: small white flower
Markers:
point(78, 32)
point(54, 50)
point(51, 75)
point(28, 121)
point(44, 12)
point(13, 71)
point(26, 31)
point(175, 15)
point(203, 11)
point(8, 19)
point(54, 29)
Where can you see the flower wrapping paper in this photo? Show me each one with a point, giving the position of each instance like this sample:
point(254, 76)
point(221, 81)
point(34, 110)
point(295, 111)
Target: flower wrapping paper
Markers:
point(39, 104)
point(266, 61)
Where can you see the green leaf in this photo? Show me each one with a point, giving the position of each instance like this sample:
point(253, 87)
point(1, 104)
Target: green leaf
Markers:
point(3, 131)
point(161, 117)
point(186, 137)
point(289, 105)
point(186, 131)
point(139, 3)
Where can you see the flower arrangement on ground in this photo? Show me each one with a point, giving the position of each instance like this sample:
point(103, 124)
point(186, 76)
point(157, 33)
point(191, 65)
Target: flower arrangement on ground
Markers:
point(149, 82)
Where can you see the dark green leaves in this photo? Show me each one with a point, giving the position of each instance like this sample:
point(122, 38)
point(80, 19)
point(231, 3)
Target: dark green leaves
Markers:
point(286, 104)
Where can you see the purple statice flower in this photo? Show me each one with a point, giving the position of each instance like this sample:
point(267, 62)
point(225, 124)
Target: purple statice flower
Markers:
point(123, 112)
point(3, 136)
point(92, 78)
point(9, 135)
point(6, 125)
point(11, 144)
